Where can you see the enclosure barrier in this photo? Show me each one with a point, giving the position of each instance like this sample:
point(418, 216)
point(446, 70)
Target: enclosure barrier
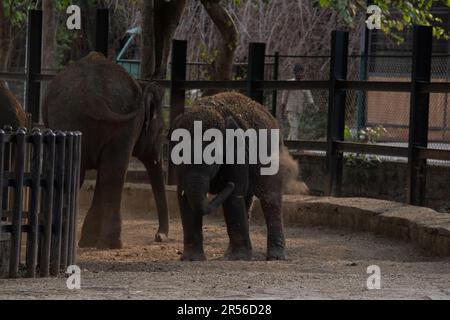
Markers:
point(419, 88)
point(39, 182)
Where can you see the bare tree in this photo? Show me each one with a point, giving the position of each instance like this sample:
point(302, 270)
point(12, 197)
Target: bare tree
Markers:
point(229, 34)
point(159, 23)
point(289, 27)
point(49, 34)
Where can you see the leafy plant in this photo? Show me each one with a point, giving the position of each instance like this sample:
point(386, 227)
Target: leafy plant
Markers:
point(395, 14)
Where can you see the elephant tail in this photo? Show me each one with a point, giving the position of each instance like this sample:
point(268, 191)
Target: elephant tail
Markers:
point(99, 110)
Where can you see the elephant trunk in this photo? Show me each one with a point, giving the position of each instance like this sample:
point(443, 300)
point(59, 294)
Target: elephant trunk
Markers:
point(198, 201)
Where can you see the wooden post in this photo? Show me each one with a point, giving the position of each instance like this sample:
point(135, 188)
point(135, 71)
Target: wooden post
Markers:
point(102, 31)
point(255, 70)
point(336, 109)
point(177, 93)
point(74, 203)
point(418, 116)
point(58, 199)
point(33, 64)
point(34, 203)
point(69, 176)
point(17, 212)
point(47, 207)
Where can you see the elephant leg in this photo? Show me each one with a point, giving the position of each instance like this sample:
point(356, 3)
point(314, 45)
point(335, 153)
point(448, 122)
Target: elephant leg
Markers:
point(236, 218)
point(91, 225)
point(156, 175)
point(105, 215)
point(192, 232)
point(271, 207)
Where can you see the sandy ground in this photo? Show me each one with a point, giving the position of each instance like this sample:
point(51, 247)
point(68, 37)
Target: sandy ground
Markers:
point(322, 264)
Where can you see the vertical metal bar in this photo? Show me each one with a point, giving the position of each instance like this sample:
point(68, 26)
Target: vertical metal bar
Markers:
point(67, 200)
point(34, 203)
point(336, 109)
point(58, 196)
point(363, 63)
point(47, 209)
point(76, 187)
point(33, 63)
point(276, 66)
point(17, 213)
point(102, 31)
point(177, 94)
point(419, 111)
point(255, 71)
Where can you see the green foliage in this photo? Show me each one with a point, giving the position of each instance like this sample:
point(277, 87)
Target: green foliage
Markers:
point(359, 166)
point(395, 14)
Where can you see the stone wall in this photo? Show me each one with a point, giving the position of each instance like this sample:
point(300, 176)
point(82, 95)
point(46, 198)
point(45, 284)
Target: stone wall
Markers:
point(386, 181)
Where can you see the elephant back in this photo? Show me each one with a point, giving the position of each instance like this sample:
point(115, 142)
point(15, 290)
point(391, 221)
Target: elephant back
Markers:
point(11, 112)
point(95, 87)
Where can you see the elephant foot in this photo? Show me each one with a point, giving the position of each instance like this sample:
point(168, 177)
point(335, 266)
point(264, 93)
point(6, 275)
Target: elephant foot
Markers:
point(189, 255)
point(276, 253)
point(242, 253)
point(161, 237)
point(109, 244)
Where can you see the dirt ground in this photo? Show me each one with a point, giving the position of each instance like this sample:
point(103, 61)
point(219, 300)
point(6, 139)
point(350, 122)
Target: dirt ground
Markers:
point(322, 264)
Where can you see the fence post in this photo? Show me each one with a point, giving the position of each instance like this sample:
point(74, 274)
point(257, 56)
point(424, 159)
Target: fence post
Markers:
point(102, 31)
point(74, 202)
point(17, 212)
point(69, 176)
point(33, 64)
point(255, 70)
point(336, 109)
point(418, 115)
point(276, 67)
point(47, 206)
point(58, 203)
point(34, 203)
point(177, 93)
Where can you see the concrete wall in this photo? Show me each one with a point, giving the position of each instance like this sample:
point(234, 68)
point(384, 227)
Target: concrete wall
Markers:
point(387, 181)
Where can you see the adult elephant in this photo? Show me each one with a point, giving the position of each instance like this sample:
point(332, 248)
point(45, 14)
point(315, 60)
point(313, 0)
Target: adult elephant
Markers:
point(118, 118)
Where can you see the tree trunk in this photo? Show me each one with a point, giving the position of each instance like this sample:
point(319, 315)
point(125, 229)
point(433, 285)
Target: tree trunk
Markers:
point(159, 22)
point(88, 14)
point(147, 40)
point(48, 41)
point(49, 35)
point(223, 62)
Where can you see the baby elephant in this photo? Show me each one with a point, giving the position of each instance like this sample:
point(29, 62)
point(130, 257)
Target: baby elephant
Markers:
point(222, 172)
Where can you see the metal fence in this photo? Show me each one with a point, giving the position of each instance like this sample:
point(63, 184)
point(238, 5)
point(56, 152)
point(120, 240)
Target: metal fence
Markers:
point(419, 88)
point(343, 90)
point(39, 182)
